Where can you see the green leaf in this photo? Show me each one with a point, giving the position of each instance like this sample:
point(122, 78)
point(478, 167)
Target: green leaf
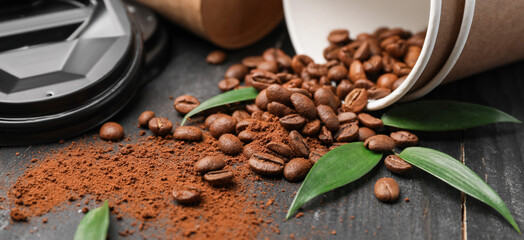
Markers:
point(94, 225)
point(336, 168)
point(443, 116)
point(237, 95)
point(457, 175)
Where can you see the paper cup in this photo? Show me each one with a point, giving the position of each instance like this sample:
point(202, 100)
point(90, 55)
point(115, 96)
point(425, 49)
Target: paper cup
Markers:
point(463, 37)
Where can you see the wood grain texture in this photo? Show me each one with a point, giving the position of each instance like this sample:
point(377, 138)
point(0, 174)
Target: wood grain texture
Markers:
point(434, 210)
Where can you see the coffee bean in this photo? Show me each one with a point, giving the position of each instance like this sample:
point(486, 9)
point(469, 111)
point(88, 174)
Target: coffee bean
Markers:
point(412, 55)
point(225, 124)
point(230, 144)
point(252, 108)
point(237, 71)
point(364, 133)
point(324, 81)
point(397, 83)
point(187, 194)
point(247, 136)
point(343, 88)
point(363, 52)
point(387, 62)
point(276, 93)
point(216, 57)
point(219, 177)
point(346, 117)
point(292, 122)
point(228, 84)
point(188, 133)
point(311, 128)
point(384, 42)
point(160, 126)
point(252, 62)
point(211, 118)
point(266, 164)
point(380, 143)
point(397, 165)
point(240, 115)
point(347, 132)
point(293, 83)
point(337, 73)
point(272, 54)
point(299, 62)
point(280, 149)
point(356, 71)
point(386, 190)
point(356, 100)
point(404, 139)
point(311, 85)
point(324, 96)
point(261, 100)
point(316, 154)
point(279, 109)
point(262, 79)
point(370, 121)
point(298, 144)
point(143, 119)
point(316, 70)
point(243, 124)
point(374, 65)
point(111, 131)
point(328, 117)
point(331, 52)
point(185, 103)
point(209, 163)
point(249, 150)
point(345, 55)
point(297, 169)
point(416, 41)
point(337, 144)
point(325, 136)
point(364, 83)
point(401, 69)
point(338, 36)
point(269, 66)
point(386, 80)
point(396, 49)
point(304, 105)
point(378, 92)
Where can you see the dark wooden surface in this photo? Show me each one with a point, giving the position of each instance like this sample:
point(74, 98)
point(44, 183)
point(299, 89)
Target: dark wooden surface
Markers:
point(436, 210)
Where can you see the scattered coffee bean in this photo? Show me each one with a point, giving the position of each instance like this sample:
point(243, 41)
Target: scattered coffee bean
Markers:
point(261, 100)
point(374, 65)
point(324, 96)
point(370, 121)
point(143, 119)
point(315, 155)
point(397, 83)
point(188, 133)
point(356, 100)
point(211, 118)
point(300, 62)
point(397, 165)
point(346, 117)
point(279, 109)
point(380, 143)
point(316, 70)
point(404, 139)
point(160, 126)
point(292, 122)
point(185, 103)
point(187, 194)
point(262, 79)
point(247, 136)
point(304, 105)
point(249, 150)
point(280, 149)
point(111, 131)
point(386, 190)
point(252, 108)
point(364, 83)
point(228, 84)
point(269, 66)
point(412, 55)
point(344, 88)
point(209, 163)
point(276, 93)
point(237, 71)
point(378, 92)
point(216, 57)
point(337, 73)
point(356, 71)
point(311, 128)
point(230, 144)
point(298, 144)
point(364, 133)
point(219, 177)
point(337, 144)
point(243, 124)
point(253, 61)
point(347, 132)
point(266, 164)
point(325, 136)
point(338, 36)
point(328, 117)
point(386, 80)
point(240, 115)
point(297, 169)
point(224, 124)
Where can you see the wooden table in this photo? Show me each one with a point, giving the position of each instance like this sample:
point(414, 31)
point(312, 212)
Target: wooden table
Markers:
point(435, 210)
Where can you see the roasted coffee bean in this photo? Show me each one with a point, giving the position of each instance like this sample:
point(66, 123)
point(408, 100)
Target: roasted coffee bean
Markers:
point(186, 194)
point(337, 144)
point(356, 71)
point(280, 149)
point(370, 121)
point(276, 93)
point(228, 84)
point(211, 118)
point(216, 57)
point(331, 52)
point(301, 91)
point(397, 165)
point(237, 71)
point(279, 109)
point(396, 49)
point(398, 82)
point(401, 69)
point(240, 115)
point(338, 36)
point(345, 55)
point(374, 47)
point(143, 119)
point(225, 124)
point(386, 190)
point(324, 81)
point(285, 77)
point(111, 131)
point(386, 80)
point(316, 70)
point(346, 117)
point(337, 73)
point(272, 54)
point(284, 61)
point(243, 124)
point(297, 169)
point(247, 136)
point(364, 83)
point(269, 66)
point(209, 163)
point(324, 96)
point(248, 80)
point(292, 122)
point(415, 41)
point(379, 31)
point(262, 79)
point(185, 103)
point(387, 62)
point(374, 65)
point(316, 154)
point(252, 107)
point(188, 133)
point(328, 117)
point(219, 177)
point(356, 100)
point(364, 133)
point(404, 139)
point(266, 164)
point(311, 128)
point(389, 40)
point(325, 136)
point(363, 52)
point(311, 86)
point(412, 55)
point(378, 92)
point(298, 144)
point(249, 150)
point(347, 132)
point(261, 100)
point(304, 105)
point(343, 88)
point(266, 116)
point(380, 143)
point(230, 144)
point(299, 62)
point(252, 61)
point(293, 83)
point(160, 126)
